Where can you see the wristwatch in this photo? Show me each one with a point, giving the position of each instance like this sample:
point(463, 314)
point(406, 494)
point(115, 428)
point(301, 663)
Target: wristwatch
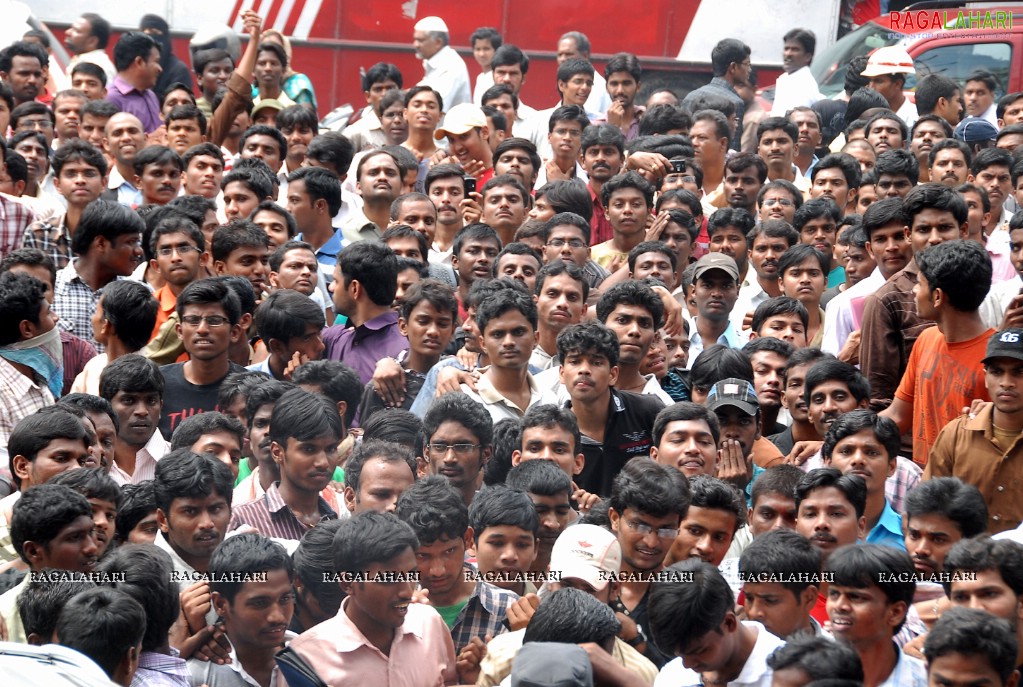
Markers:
point(640, 638)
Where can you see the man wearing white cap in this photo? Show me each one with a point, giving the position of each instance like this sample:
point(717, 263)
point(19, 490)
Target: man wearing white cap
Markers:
point(887, 68)
point(585, 557)
point(445, 69)
point(465, 127)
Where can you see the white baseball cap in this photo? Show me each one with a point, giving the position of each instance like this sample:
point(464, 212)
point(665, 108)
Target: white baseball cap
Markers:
point(583, 551)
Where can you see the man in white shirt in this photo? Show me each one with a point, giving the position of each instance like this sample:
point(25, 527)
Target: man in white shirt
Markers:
point(796, 87)
point(445, 69)
point(887, 69)
point(86, 40)
point(732, 652)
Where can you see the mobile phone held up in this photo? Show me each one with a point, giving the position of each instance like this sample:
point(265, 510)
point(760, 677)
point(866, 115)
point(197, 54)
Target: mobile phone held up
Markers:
point(469, 185)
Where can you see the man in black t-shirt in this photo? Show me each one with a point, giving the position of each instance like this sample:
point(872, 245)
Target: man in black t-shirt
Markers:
point(208, 317)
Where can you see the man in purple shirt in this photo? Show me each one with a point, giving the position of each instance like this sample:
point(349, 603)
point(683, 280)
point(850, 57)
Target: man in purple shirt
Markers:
point(365, 280)
point(137, 59)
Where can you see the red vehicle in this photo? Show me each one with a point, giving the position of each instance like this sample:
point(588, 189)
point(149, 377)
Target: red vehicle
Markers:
point(333, 41)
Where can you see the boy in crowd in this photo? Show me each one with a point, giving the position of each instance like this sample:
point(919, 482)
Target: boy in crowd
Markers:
point(615, 423)
point(507, 326)
point(428, 318)
point(802, 272)
point(79, 175)
point(214, 433)
point(204, 170)
point(646, 508)
point(809, 659)
point(260, 469)
point(551, 491)
point(474, 250)
point(505, 528)
point(293, 266)
point(769, 357)
point(863, 444)
point(685, 437)
point(551, 433)
point(782, 318)
point(379, 615)
point(244, 190)
point(954, 278)
point(305, 430)
point(817, 223)
point(136, 516)
point(134, 387)
point(290, 325)
point(104, 497)
point(829, 511)
point(970, 646)
point(107, 625)
point(560, 294)
point(712, 640)
point(107, 242)
point(179, 255)
point(470, 608)
point(890, 322)
point(376, 475)
point(242, 249)
point(627, 200)
point(458, 437)
point(255, 612)
point(715, 290)
point(767, 242)
point(868, 599)
point(782, 606)
point(208, 323)
point(51, 528)
point(717, 510)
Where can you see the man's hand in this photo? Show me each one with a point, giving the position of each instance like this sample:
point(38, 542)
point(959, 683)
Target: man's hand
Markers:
point(216, 648)
point(607, 671)
point(672, 311)
point(656, 228)
point(1013, 317)
point(297, 359)
point(252, 24)
point(850, 352)
point(554, 172)
point(451, 378)
point(651, 166)
point(584, 499)
point(522, 610)
point(733, 467)
point(616, 114)
point(389, 382)
point(195, 604)
point(472, 208)
point(803, 451)
point(469, 658)
point(467, 358)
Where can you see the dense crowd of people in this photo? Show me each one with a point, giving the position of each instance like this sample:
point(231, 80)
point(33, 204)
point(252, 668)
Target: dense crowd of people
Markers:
point(707, 391)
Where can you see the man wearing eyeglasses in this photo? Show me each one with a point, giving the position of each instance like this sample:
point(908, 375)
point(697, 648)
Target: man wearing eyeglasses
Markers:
point(208, 317)
point(459, 441)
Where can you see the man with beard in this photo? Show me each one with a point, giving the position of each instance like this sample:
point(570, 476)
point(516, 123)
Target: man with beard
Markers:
point(949, 162)
point(21, 68)
point(927, 131)
point(379, 183)
point(86, 40)
point(808, 123)
point(745, 175)
point(623, 73)
point(123, 139)
point(796, 89)
point(776, 144)
point(767, 242)
point(836, 177)
point(458, 437)
point(603, 151)
point(445, 187)
point(647, 504)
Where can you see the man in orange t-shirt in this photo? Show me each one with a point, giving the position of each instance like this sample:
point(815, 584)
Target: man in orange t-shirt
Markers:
point(945, 372)
point(179, 252)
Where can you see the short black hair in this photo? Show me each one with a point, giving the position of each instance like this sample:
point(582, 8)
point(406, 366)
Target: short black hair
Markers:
point(78, 150)
point(933, 196)
point(44, 596)
point(800, 253)
point(499, 504)
point(131, 310)
point(717, 362)
point(265, 130)
point(961, 269)
point(819, 657)
point(660, 119)
point(133, 373)
point(950, 498)
point(433, 509)
point(831, 369)
point(777, 123)
point(773, 307)
point(287, 314)
point(211, 292)
point(881, 213)
point(682, 411)
point(103, 624)
point(726, 52)
point(571, 616)
point(503, 302)
point(604, 135)
point(92, 483)
point(982, 553)
point(588, 338)
point(137, 501)
point(21, 298)
point(631, 293)
point(366, 450)
point(313, 556)
point(107, 219)
point(320, 184)
point(569, 195)
point(191, 429)
point(304, 416)
point(852, 486)
point(395, 425)
point(245, 553)
point(974, 632)
point(335, 380)
point(681, 614)
point(784, 553)
point(627, 179)
point(238, 233)
point(872, 565)
point(23, 49)
point(148, 578)
point(332, 148)
point(460, 408)
point(898, 162)
point(183, 473)
point(132, 45)
point(710, 492)
point(369, 538)
point(650, 488)
point(540, 477)
point(374, 265)
point(42, 512)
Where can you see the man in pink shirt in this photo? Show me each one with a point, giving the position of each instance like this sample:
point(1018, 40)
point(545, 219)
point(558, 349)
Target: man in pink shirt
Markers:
point(379, 630)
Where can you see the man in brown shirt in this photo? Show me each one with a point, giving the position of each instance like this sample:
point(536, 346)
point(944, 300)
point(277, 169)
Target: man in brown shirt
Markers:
point(890, 321)
point(986, 449)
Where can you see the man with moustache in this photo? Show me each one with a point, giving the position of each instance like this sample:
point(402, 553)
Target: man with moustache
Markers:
point(603, 151)
point(949, 162)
